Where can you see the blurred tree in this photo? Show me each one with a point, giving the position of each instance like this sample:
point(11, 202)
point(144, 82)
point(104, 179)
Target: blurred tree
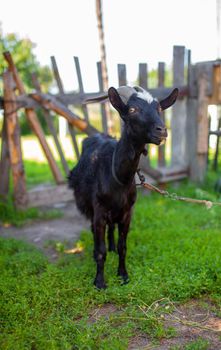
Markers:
point(25, 60)
point(26, 63)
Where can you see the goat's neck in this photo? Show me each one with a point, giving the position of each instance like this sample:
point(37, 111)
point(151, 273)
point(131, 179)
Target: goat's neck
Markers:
point(127, 157)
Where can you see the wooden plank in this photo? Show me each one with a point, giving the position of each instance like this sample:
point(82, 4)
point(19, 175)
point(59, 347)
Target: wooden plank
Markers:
point(122, 74)
point(81, 86)
point(24, 101)
point(143, 75)
point(122, 80)
point(57, 75)
point(143, 82)
point(203, 129)
point(51, 103)
point(161, 81)
point(197, 131)
point(51, 127)
point(49, 195)
point(102, 106)
point(14, 143)
point(215, 98)
point(34, 123)
point(61, 91)
point(4, 164)
point(178, 123)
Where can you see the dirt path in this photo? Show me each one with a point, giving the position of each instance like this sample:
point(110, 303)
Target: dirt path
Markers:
point(41, 232)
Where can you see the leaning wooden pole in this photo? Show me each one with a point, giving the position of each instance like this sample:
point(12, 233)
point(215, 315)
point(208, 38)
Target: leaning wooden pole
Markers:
point(50, 124)
point(103, 60)
point(14, 142)
point(33, 120)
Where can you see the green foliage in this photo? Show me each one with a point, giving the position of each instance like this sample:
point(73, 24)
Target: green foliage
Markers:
point(9, 215)
point(25, 60)
point(174, 253)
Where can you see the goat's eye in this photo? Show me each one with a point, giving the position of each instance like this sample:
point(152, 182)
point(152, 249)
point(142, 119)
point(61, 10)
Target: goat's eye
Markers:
point(132, 110)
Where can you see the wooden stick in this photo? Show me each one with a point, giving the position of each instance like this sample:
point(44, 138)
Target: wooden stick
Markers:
point(33, 120)
point(14, 143)
point(51, 127)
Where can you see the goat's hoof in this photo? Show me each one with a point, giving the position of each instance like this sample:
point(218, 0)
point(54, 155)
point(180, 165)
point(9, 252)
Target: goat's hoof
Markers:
point(124, 278)
point(100, 284)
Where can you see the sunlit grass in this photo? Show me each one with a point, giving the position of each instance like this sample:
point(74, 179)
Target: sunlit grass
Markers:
point(174, 252)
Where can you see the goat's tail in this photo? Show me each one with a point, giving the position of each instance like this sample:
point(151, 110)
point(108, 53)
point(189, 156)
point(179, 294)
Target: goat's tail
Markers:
point(71, 179)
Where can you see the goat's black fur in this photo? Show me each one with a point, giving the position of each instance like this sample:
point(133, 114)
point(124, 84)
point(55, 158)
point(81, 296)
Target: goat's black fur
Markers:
point(98, 195)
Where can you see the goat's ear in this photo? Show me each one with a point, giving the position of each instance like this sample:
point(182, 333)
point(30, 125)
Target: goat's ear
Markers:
point(116, 101)
point(170, 100)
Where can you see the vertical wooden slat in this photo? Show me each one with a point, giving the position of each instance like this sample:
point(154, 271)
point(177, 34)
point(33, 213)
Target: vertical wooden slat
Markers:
point(122, 80)
point(14, 142)
point(122, 74)
point(33, 120)
point(61, 91)
point(51, 127)
point(101, 89)
point(4, 164)
point(178, 123)
point(81, 86)
point(143, 75)
point(143, 82)
point(161, 82)
point(197, 130)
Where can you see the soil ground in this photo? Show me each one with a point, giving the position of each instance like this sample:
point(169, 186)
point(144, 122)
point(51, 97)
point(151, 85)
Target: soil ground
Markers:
point(41, 232)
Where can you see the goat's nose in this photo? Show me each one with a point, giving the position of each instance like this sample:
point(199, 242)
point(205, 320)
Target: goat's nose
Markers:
point(161, 129)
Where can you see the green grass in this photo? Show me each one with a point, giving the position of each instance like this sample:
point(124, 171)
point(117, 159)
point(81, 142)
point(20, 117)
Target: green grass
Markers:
point(174, 253)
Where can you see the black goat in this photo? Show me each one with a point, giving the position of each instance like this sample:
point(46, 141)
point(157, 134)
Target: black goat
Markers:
point(103, 180)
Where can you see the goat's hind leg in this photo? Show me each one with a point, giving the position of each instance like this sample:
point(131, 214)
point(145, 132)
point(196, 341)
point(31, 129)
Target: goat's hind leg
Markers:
point(110, 236)
point(123, 228)
point(99, 252)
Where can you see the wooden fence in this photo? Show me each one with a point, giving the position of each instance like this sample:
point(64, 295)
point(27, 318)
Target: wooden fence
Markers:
point(199, 85)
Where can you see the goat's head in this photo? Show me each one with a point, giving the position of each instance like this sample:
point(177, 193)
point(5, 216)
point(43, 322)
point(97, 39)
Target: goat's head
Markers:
point(141, 112)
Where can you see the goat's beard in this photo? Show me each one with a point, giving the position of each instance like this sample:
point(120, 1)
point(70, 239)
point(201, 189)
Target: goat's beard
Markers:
point(163, 141)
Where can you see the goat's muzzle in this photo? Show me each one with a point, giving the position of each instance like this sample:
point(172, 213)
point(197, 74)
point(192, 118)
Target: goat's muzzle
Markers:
point(159, 135)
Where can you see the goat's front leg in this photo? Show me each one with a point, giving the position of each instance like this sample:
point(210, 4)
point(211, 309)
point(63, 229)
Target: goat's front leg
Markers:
point(99, 251)
point(123, 228)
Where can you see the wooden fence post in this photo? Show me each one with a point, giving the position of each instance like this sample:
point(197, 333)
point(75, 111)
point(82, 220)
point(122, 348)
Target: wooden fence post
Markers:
point(14, 142)
point(33, 120)
point(143, 82)
point(4, 164)
point(101, 89)
point(178, 123)
point(122, 80)
point(161, 80)
point(197, 130)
